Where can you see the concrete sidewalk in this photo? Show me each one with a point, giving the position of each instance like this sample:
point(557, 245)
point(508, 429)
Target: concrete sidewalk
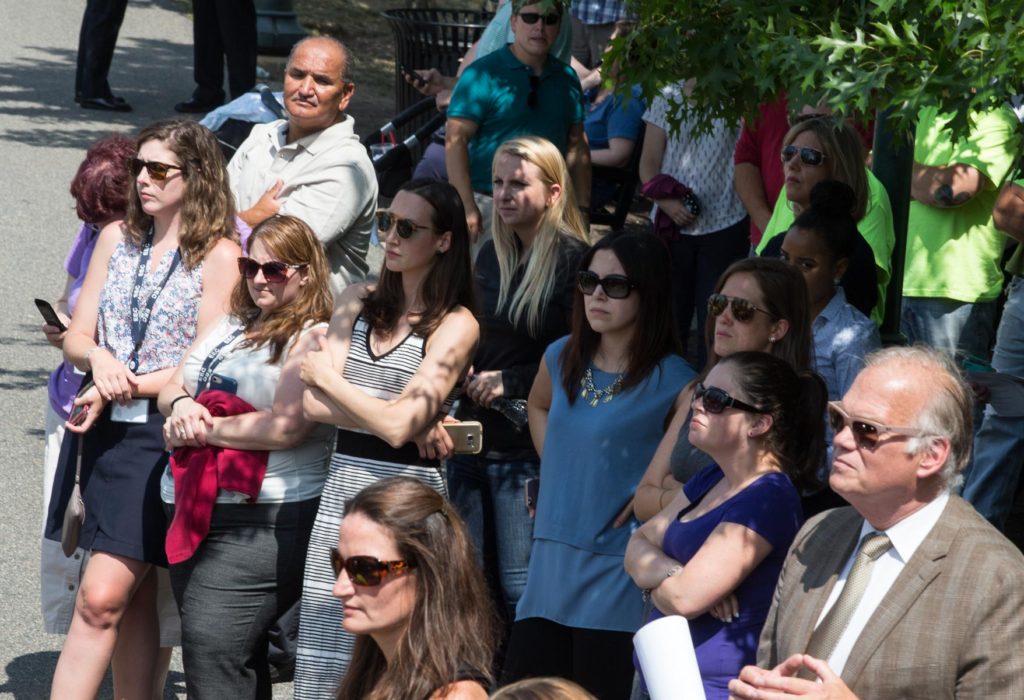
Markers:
point(43, 136)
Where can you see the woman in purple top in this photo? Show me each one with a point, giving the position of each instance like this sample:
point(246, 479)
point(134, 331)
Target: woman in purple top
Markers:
point(100, 189)
point(715, 553)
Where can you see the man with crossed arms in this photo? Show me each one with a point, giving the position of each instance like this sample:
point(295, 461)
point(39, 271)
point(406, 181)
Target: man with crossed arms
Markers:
point(910, 593)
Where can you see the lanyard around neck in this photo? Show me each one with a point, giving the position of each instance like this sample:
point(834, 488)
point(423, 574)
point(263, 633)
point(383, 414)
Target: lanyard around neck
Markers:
point(141, 312)
point(216, 356)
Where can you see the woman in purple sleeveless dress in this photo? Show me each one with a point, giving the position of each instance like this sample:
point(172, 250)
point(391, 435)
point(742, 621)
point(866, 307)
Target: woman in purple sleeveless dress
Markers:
point(715, 553)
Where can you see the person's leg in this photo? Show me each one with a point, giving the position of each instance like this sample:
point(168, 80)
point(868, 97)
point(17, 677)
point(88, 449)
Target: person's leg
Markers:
point(485, 203)
point(107, 588)
point(580, 42)
point(990, 482)
point(236, 20)
point(683, 256)
point(208, 53)
point(101, 24)
point(598, 36)
point(538, 647)
point(469, 492)
point(134, 663)
point(603, 662)
point(432, 163)
point(716, 252)
point(513, 526)
point(950, 325)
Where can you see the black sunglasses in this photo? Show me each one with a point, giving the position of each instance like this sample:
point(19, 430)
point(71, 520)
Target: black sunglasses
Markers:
point(808, 155)
point(742, 309)
point(274, 271)
point(614, 286)
point(550, 19)
point(368, 571)
point(867, 434)
point(717, 400)
point(158, 171)
point(406, 227)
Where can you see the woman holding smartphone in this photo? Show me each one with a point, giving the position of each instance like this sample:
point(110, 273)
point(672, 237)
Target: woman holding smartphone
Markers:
point(524, 279)
point(247, 571)
point(390, 366)
point(154, 282)
point(597, 410)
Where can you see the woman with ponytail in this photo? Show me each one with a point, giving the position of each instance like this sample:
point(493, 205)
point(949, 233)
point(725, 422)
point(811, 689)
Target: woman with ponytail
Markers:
point(714, 554)
point(819, 244)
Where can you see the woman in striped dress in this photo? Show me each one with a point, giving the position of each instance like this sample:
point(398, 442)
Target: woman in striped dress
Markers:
point(390, 366)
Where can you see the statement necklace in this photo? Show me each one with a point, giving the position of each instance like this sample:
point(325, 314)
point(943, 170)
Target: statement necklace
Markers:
point(592, 394)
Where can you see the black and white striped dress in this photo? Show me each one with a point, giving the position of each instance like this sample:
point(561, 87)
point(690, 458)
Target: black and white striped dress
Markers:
point(360, 459)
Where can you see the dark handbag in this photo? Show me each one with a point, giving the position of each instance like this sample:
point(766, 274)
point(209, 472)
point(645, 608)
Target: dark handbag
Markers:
point(74, 513)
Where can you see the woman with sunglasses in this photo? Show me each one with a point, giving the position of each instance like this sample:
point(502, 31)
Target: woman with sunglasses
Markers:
point(154, 283)
point(714, 554)
point(405, 570)
point(232, 584)
point(758, 304)
point(597, 409)
point(388, 370)
point(825, 148)
point(524, 280)
point(697, 211)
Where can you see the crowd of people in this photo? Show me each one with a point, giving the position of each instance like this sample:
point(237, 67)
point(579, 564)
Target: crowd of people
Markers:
point(269, 439)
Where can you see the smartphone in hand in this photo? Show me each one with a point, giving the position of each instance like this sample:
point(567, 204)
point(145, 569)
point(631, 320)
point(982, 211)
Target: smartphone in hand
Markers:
point(412, 75)
point(49, 315)
point(467, 436)
point(81, 411)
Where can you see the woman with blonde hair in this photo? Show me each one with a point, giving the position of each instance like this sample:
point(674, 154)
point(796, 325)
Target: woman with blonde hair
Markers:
point(234, 582)
point(155, 282)
point(524, 280)
point(822, 148)
point(543, 688)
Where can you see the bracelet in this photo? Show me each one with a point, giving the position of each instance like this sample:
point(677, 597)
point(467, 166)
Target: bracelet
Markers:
point(668, 574)
point(89, 354)
point(179, 398)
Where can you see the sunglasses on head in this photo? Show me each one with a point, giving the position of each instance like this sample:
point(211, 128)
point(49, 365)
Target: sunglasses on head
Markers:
point(406, 227)
point(808, 155)
point(742, 309)
point(158, 171)
point(550, 19)
point(867, 434)
point(368, 571)
point(716, 400)
point(614, 286)
point(274, 271)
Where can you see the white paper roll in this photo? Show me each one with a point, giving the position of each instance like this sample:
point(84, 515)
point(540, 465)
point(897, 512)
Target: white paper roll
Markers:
point(668, 661)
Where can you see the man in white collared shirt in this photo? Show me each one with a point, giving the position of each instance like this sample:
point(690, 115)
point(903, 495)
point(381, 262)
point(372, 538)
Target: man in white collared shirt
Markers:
point(936, 611)
point(312, 165)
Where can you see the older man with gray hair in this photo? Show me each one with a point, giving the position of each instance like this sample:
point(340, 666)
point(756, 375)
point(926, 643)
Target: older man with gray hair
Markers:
point(910, 593)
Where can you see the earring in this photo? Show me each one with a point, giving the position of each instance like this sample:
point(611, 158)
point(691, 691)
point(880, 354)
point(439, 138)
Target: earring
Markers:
point(771, 339)
point(835, 281)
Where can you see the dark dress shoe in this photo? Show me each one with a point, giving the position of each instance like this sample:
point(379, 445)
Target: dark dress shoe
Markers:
point(114, 98)
point(194, 106)
point(106, 104)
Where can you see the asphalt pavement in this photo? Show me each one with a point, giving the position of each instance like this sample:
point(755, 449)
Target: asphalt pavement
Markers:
point(43, 137)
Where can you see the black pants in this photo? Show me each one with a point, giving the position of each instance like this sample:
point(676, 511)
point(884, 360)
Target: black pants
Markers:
point(599, 660)
point(223, 28)
point(96, 40)
point(697, 263)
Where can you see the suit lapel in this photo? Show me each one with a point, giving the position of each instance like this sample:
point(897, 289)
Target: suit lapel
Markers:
point(825, 562)
point(920, 571)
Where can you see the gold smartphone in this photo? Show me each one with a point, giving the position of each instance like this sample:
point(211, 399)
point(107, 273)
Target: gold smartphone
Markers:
point(468, 436)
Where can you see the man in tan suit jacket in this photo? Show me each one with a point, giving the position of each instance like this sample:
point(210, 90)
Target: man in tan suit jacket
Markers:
point(941, 614)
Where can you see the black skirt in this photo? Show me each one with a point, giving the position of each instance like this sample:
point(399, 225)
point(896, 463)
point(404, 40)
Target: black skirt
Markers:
point(122, 464)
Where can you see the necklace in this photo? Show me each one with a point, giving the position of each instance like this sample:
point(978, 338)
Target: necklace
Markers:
point(599, 395)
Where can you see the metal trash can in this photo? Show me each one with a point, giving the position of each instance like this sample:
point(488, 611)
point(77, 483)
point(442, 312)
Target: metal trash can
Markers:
point(277, 27)
point(431, 38)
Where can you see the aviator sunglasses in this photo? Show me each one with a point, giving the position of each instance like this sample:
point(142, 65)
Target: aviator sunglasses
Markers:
point(550, 19)
point(368, 571)
point(867, 434)
point(742, 309)
point(274, 271)
point(614, 286)
point(717, 400)
point(158, 171)
point(385, 220)
point(808, 155)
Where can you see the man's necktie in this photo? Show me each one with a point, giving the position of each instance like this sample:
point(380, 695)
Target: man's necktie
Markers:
point(826, 636)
